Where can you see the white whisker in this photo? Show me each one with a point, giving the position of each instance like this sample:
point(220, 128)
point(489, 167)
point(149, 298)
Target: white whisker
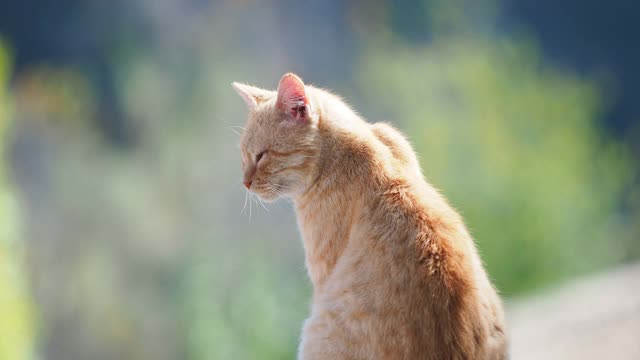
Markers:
point(255, 200)
point(246, 193)
point(261, 203)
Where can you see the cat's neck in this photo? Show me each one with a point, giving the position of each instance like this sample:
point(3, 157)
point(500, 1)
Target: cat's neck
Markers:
point(329, 210)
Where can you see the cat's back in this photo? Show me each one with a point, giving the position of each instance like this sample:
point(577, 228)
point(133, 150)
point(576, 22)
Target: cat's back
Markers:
point(408, 291)
point(430, 251)
point(410, 284)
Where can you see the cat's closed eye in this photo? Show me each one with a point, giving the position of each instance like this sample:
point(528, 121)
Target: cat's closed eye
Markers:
point(260, 156)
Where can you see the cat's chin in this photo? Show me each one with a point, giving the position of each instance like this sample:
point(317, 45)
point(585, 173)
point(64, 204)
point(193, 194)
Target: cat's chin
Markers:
point(268, 196)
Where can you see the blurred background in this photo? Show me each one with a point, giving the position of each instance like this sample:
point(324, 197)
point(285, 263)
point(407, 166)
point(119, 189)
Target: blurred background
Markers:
point(122, 230)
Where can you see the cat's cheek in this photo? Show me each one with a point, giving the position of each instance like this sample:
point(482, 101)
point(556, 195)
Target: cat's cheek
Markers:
point(270, 198)
point(296, 187)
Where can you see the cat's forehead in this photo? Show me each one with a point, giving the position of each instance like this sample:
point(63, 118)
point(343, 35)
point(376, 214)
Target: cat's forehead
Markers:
point(264, 115)
point(259, 128)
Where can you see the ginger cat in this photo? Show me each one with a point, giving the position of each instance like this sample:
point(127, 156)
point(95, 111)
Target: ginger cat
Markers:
point(395, 273)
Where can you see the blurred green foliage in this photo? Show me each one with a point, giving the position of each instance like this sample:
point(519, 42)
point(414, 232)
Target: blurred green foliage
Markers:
point(515, 145)
point(16, 325)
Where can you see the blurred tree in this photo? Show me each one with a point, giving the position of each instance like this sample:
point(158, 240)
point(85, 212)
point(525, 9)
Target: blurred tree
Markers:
point(610, 48)
point(16, 333)
point(88, 35)
point(514, 144)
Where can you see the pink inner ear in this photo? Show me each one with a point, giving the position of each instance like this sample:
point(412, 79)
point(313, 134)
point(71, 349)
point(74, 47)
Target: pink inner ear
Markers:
point(292, 97)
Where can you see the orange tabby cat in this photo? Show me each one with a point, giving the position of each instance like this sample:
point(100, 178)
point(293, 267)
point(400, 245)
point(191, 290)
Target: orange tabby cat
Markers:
point(395, 273)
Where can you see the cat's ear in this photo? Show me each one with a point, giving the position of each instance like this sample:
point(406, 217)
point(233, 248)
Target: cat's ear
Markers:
point(292, 97)
point(251, 94)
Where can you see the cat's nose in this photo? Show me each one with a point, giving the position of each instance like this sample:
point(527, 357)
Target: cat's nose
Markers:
point(247, 184)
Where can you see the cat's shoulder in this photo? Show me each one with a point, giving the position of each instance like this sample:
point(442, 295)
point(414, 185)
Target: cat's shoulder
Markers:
point(398, 144)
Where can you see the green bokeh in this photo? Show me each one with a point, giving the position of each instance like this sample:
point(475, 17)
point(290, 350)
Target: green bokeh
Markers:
point(16, 313)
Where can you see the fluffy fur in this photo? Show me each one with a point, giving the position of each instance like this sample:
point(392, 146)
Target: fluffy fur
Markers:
point(395, 273)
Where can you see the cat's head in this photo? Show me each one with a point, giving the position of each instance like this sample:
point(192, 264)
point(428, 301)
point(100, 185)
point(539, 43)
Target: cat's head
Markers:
point(280, 140)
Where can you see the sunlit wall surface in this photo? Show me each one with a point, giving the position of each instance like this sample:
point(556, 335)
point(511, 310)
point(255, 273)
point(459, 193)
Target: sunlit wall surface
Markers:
point(126, 233)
